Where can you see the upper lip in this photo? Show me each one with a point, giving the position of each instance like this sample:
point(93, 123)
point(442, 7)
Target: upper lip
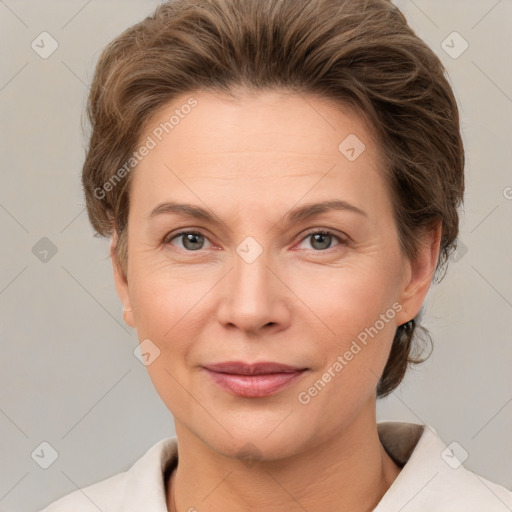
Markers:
point(241, 368)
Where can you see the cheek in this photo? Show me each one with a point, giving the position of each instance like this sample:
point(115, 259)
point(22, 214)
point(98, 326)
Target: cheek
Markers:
point(357, 308)
point(350, 298)
point(163, 294)
point(169, 314)
point(353, 359)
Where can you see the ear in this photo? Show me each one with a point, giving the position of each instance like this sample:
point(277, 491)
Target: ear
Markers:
point(418, 273)
point(121, 283)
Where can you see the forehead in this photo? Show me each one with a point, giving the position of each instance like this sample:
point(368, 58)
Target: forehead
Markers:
point(272, 143)
point(255, 122)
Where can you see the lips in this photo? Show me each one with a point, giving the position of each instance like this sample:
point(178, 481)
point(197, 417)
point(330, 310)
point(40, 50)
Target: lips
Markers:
point(253, 380)
point(240, 368)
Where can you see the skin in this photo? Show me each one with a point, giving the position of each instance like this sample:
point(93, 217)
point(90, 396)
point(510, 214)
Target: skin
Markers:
point(250, 161)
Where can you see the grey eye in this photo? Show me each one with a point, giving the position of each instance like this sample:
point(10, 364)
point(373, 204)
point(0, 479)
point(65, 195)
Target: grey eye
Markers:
point(191, 240)
point(321, 241)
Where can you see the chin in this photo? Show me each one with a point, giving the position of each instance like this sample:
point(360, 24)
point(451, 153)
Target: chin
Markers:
point(251, 442)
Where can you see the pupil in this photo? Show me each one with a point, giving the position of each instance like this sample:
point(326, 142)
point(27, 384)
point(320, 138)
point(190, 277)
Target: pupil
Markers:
point(319, 237)
point(191, 238)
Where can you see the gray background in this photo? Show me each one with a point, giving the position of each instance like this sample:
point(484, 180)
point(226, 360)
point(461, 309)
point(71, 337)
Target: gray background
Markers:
point(68, 374)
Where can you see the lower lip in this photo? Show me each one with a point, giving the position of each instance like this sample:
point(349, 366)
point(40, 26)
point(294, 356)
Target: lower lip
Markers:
point(254, 386)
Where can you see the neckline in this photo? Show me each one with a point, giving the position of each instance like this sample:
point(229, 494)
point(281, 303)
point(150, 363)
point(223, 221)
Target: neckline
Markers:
point(398, 439)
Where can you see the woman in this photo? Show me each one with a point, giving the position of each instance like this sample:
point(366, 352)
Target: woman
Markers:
point(281, 182)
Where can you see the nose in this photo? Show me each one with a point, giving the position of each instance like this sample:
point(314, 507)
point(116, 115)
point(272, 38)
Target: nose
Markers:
point(254, 297)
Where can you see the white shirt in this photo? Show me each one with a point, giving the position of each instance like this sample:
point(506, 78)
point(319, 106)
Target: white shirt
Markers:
point(431, 479)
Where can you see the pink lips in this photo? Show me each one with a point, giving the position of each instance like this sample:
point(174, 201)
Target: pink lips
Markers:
point(253, 380)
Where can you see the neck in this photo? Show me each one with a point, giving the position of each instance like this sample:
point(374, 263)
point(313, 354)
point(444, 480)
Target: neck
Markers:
point(350, 471)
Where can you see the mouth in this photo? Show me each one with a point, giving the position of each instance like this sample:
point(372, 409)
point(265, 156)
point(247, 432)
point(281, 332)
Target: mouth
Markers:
point(253, 380)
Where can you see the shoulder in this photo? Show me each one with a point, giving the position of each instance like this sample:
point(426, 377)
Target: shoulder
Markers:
point(484, 493)
point(433, 477)
point(142, 483)
point(104, 495)
point(462, 489)
point(457, 487)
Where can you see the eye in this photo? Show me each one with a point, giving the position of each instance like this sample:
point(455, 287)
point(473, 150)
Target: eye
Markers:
point(191, 240)
point(321, 240)
point(195, 241)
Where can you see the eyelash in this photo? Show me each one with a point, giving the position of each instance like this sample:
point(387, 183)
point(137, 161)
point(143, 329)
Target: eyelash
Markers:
point(315, 231)
point(342, 241)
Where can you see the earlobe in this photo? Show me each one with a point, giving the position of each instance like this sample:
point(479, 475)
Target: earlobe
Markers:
point(420, 274)
point(128, 317)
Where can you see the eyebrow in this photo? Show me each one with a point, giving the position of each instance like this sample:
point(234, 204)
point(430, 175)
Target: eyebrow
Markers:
point(298, 214)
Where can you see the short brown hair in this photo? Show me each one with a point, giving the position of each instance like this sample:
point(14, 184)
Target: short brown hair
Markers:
point(359, 53)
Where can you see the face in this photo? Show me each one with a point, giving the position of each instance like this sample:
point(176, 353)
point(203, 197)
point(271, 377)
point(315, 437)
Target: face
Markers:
point(261, 275)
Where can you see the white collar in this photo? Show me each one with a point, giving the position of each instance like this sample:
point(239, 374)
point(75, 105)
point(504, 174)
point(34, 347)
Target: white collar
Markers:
point(426, 483)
